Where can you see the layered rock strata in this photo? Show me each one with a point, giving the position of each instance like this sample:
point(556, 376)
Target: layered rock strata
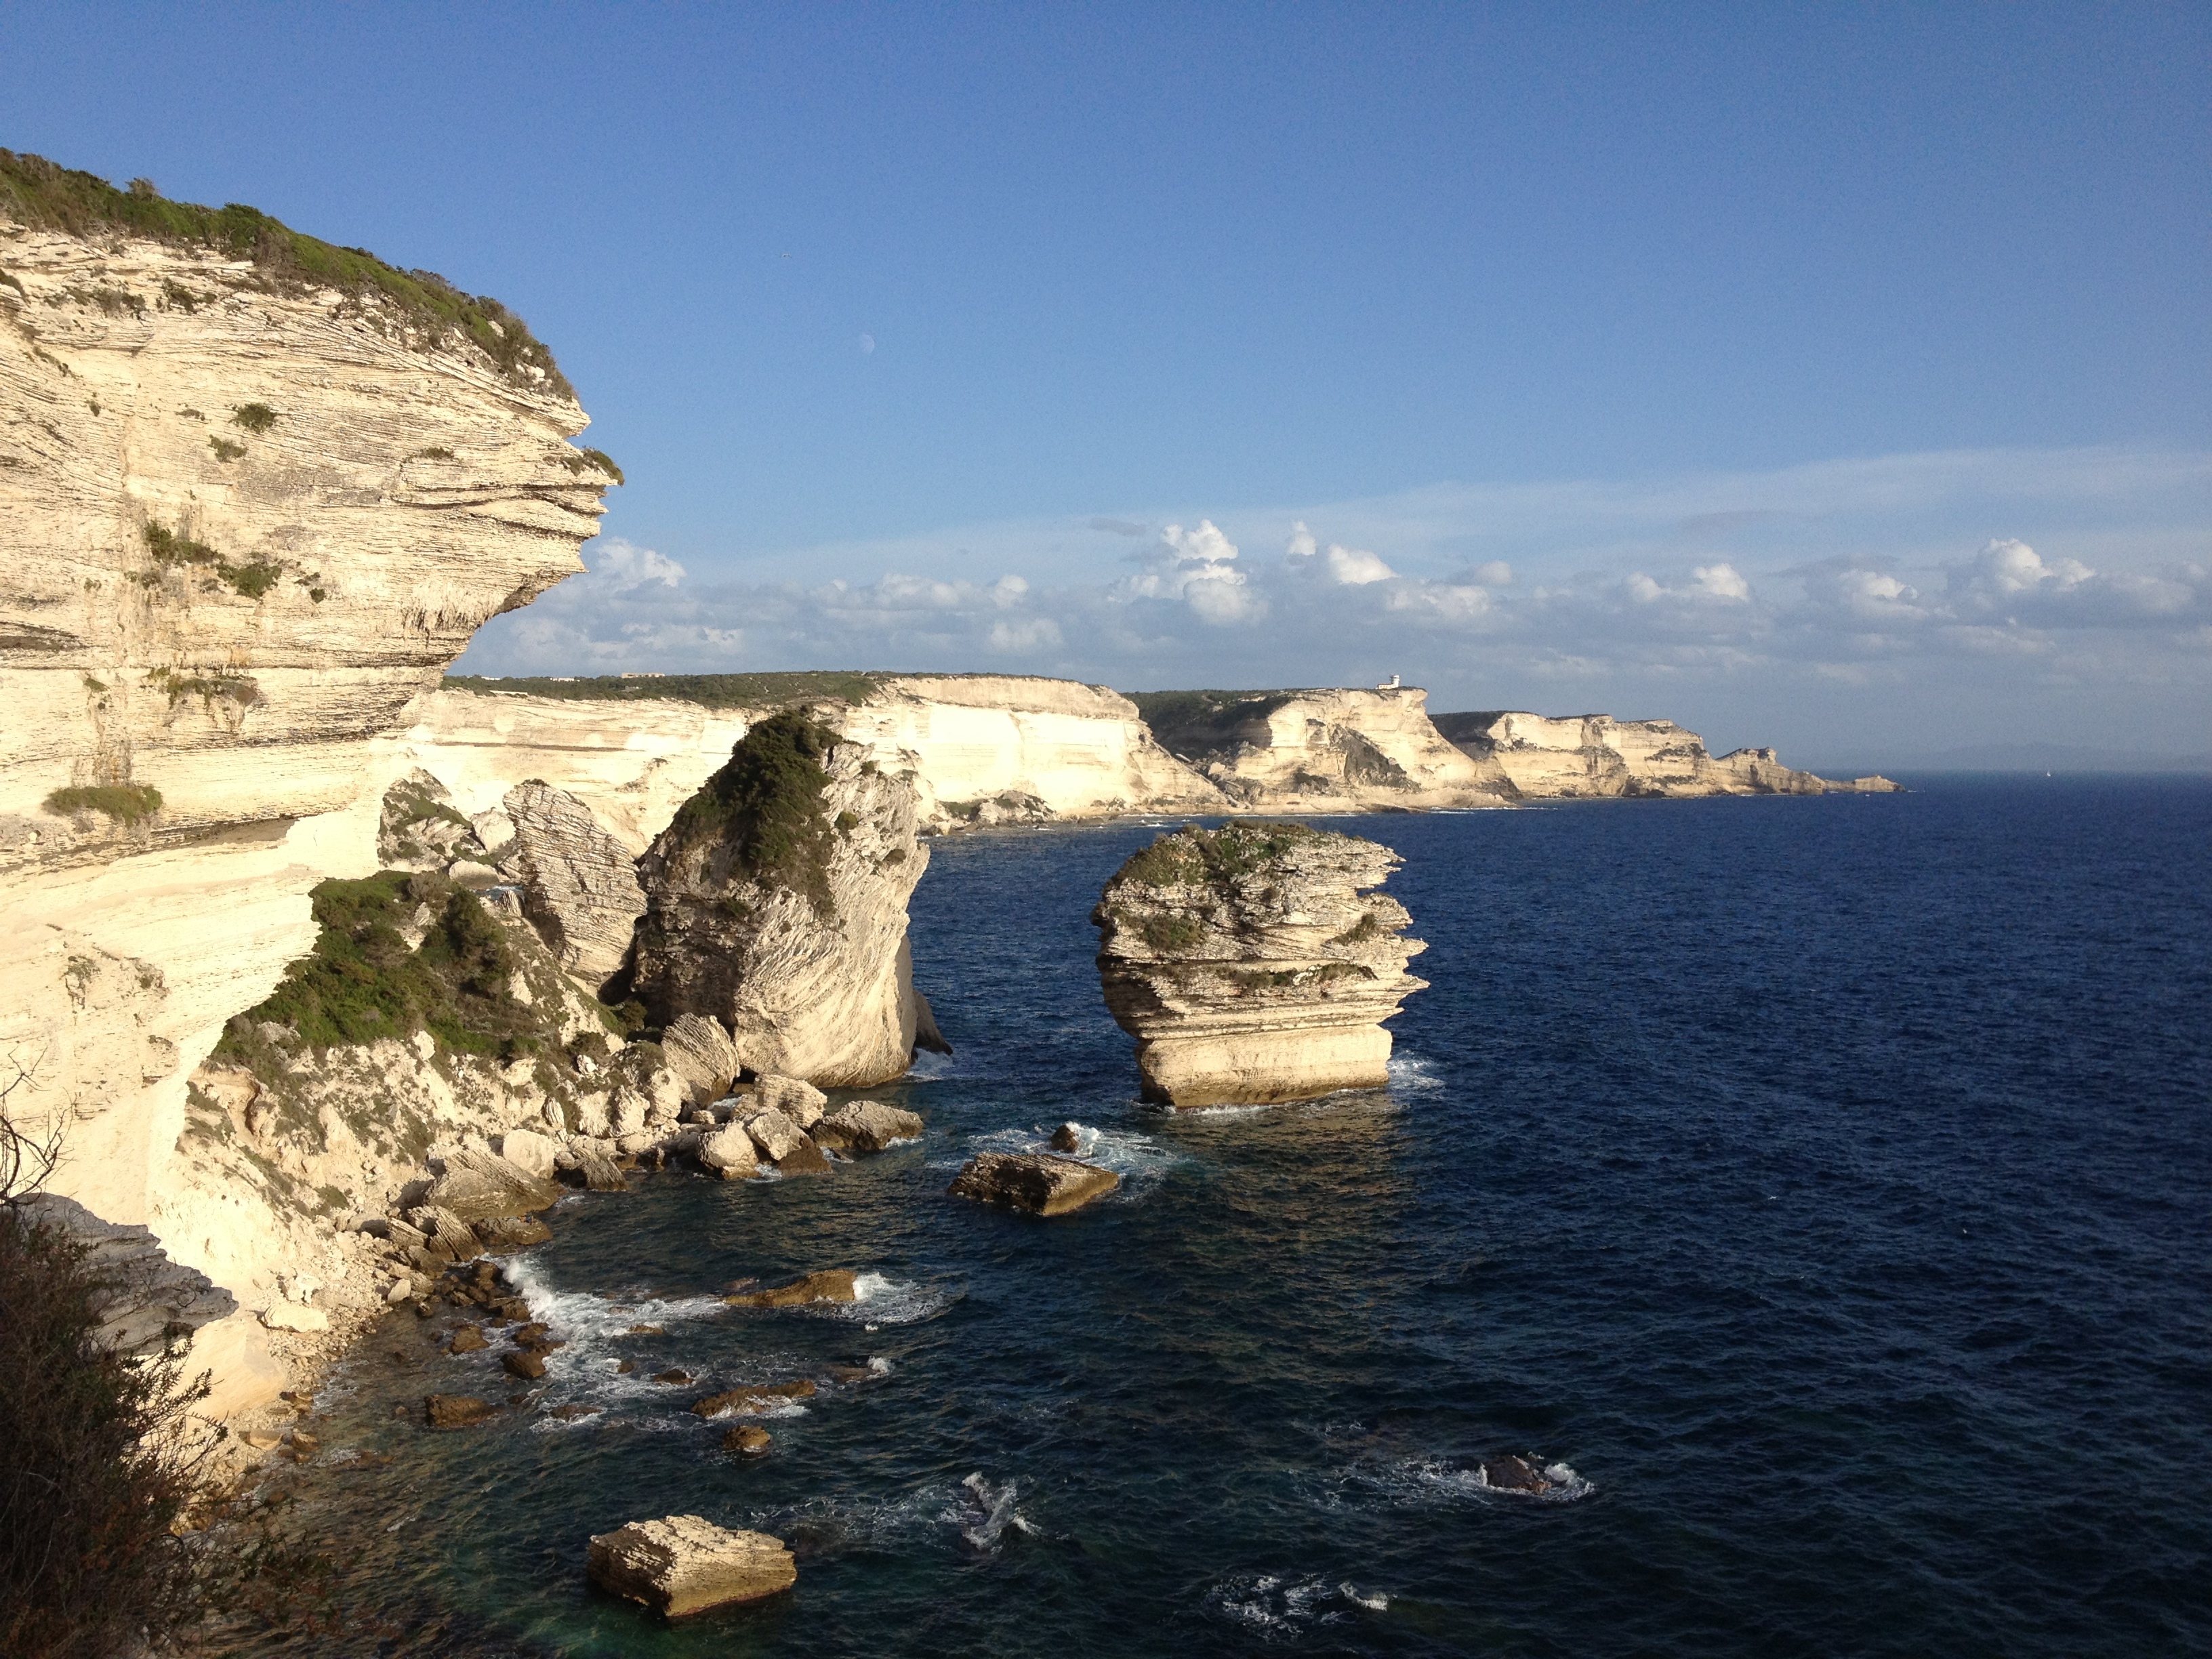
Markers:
point(1595, 755)
point(775, 902)
point(1321, 750)
point(686, 1565)
point(1255, 963)
point(1038, 1182)
point(259, 493)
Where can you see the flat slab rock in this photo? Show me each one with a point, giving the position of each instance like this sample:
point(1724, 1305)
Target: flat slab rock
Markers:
point(829, 1285)
point(685, 1564)
point(1036, 1182)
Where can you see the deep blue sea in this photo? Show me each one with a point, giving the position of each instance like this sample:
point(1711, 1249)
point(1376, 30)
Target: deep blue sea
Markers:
point(1826, 1183)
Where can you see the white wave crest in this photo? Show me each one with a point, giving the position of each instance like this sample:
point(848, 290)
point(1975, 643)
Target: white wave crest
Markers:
point(1276, 1606)
point(879, 1299)
point(983, 1512)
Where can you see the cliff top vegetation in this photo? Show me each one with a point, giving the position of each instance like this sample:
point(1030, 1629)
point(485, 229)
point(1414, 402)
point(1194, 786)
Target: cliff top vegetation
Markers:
point(708, 691)
point(1197, 723)
point(765, 806)
point(47, 196)
point(1192, 855)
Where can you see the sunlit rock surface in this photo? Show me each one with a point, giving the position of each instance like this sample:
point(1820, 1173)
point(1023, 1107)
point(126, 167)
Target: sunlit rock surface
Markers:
point(1255, 963)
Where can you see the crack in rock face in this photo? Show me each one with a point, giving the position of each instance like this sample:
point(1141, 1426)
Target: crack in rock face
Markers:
point(1254, 963)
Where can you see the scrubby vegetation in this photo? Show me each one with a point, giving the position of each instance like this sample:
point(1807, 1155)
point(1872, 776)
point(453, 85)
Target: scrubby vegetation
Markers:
point(429, 311)
point(125, 803)
point(93, 1476)
point(363, 981)
point(764, 808)
point(225, 450)
point(239, 689)
point(1192, 855)
point(252, 578)
point(708, 691)
point(254, 417)
point(1171, 932)
point(585, 460)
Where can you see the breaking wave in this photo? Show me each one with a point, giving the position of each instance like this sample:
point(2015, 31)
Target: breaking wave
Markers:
point(1275, 1607)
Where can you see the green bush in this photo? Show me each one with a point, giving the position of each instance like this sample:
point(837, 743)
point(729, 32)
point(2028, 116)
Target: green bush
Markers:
point(225, 450)
point(94, 1477)
point(47, 196)
point(362, 982)
point(254, 417)
point(764, 808)
point(708, 691)
point(1171, 932)
point(125, 803)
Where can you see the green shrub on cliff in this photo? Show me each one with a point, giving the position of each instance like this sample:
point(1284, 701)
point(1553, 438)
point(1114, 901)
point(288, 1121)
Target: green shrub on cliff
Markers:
point(47, 196)
point(765, 809)
point(125, 803)
point(362, 982)
point(708, 691)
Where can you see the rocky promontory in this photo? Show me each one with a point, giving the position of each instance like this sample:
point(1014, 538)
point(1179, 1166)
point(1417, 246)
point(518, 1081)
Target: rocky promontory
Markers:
point(1544, 757)
point(776, 901)
point(1254, 963)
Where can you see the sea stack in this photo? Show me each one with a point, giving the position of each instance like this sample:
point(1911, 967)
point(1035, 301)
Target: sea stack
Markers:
point(1252, 963)
point(776, 901)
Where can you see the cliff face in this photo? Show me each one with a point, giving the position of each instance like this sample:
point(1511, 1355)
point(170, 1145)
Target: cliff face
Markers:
point(775, 902)
point(252, 515)
point(1321, 752)
point(1595, 755)
point(1253, 964)
point(978, 749)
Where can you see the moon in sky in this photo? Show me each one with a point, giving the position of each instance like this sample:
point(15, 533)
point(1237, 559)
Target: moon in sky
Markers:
point(867, 342)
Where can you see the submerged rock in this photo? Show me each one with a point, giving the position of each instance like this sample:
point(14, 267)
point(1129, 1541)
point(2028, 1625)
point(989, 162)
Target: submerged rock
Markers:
point(764, 1398)
point(1068, 1138)
point(775, 901)
point(1036, 1182)
point(746, 1440)
point(456, 1411)
point(828, 1284)
point(467, 1339)
point(684, 1565)
point(866, 1126)
point(1253, 964)
point(529, 1364)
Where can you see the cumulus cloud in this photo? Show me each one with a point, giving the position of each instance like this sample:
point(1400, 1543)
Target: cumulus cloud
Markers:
point(618, 566)
point(1198, 566)
point(1347, 567)
point(1866, 579)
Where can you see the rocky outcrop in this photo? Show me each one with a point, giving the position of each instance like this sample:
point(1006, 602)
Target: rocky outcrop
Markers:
point(1255, 963)
point(777, 903)
point(1595, 755)
point(259, 494)
point(685, 1564)
point(1321, 750)
point(1035, 1182)
point(866, 1126)
point(824, 1285)
point(146, 1303)
point(579, 884)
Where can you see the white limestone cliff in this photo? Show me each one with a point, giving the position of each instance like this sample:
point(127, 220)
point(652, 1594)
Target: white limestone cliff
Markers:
point(1588, 755)
point(252, 518)
point(1321, 752)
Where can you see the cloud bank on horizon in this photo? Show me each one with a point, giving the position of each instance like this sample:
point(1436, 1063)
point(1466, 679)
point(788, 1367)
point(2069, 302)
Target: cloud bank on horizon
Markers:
point(1844, 609)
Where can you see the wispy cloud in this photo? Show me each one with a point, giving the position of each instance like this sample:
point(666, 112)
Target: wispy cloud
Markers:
point(1979, 587)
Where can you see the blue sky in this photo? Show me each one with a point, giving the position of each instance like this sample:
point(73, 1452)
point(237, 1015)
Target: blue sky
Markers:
point(919, 331)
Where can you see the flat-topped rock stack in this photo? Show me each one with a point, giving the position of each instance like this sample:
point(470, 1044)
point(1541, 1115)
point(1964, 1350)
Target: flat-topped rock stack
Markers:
point(1253, 964)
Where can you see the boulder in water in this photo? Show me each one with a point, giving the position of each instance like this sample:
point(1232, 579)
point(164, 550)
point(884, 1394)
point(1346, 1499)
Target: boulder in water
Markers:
point(684, 1565)
point(829, 1285)
point(477, 1186)
point(865, 1125)
point(729, 1152)
point(776, 1135)
point(764, 1398)
point(1068, 1138)
point(456, 1411)
point(746, 1440)
point(796, 1099)
point(1036, 1182)
point(467, 1339)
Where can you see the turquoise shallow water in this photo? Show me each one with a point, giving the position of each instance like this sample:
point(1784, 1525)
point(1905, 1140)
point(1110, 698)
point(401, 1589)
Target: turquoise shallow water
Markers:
point(1824, 1183)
